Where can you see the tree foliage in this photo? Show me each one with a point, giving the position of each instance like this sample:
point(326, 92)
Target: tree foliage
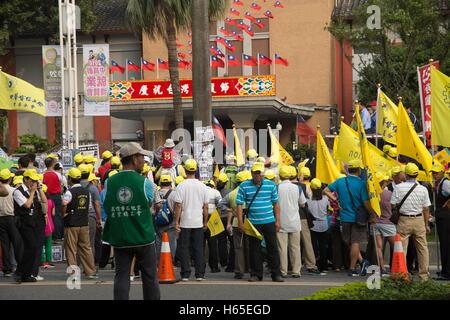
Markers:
point(412, 32)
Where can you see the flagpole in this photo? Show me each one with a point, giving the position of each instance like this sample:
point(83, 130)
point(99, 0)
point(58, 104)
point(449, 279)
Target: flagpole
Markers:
point(258, 63)
point(376, 118)
point(142, 70)
point(126, 69)
point(274, 64)
point(157, 69)
point(226, 65)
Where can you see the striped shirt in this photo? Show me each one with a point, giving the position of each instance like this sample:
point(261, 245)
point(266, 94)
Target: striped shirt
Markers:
point(261, 210)
point(416, 201)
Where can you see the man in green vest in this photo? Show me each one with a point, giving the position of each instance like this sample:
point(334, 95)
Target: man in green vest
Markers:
point(129, 223)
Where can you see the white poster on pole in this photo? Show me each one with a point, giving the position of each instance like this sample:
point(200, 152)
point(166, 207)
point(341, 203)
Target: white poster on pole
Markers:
point(51, 65)
point(96, 79)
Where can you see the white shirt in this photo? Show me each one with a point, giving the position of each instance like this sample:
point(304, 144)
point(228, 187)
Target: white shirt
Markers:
point(67, 198)
point(289, 200)
point(192, 194)
point(20, 199)
point(445, 187)
point(214, 197)
point(416, 201)
point(7, 203)
point(319, 209)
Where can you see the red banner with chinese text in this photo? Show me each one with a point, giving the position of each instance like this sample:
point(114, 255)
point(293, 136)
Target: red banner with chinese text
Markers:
point(425, 97)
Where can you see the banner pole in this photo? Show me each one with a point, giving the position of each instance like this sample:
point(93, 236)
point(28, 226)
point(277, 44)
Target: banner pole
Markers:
point(419, 79)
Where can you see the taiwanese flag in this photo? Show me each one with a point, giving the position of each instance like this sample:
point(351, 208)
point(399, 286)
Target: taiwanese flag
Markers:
point(225, 42)
point(238, 2)
point(231, 22)
point(183, 64)
point(263, 60)
point(224, 31)
point(218, 131)
point(237, 36)
point(235, 12)
point(132, 67)
point(233, 61)
point(256, 6)
point(280, 60)
point(181, 55)
point(242, 25)
point(189, 35)
point(259, 23)
point(269, 14)
point(249, 61)
point(216, 51)
point(190, 43)
point(278, 5)
point(164, 65)
point(216, 62)
point(249, 31)
point(250, 17)
point(115, 67)
point(220, 53)
point(147, 65)
point(306, 134)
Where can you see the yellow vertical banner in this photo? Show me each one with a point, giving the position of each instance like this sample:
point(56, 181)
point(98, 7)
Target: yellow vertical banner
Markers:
point(237, 149)
point(440, 108)
point(387, 117)
point(326, 169)
point(278, 152)
point(215, 224)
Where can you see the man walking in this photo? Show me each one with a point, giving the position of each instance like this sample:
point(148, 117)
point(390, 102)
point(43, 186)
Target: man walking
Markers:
point(129, 224)
point(261, 199)
point(53, 180)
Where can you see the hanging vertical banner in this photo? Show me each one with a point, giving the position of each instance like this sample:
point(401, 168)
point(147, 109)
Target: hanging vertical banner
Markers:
point(51, 65)
point(96, 79)
point(424, 74)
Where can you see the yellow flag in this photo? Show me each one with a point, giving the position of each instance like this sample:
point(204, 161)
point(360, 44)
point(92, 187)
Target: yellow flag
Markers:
point(409, 143)
point(440, 108)
point(373, 185)
point(443, 156)
point(277, 151)
point(216, 171)
point(250, 230)
point(387, 117)
point(215, 224)
point(339, 163)
point(349, 148)
point(237, 149)
point(17, 94)
point(326, 169)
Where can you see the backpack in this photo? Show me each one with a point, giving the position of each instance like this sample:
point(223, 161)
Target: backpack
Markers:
point(164, 217)
point(167, 158)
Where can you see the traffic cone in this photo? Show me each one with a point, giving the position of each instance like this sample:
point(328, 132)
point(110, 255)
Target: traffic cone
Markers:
point(399, 269)
point(165, 271)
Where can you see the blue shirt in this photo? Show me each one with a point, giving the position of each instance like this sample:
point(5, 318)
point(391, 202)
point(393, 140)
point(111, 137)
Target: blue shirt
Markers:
point(261, 211)
point(365, 119)
point(359, 193)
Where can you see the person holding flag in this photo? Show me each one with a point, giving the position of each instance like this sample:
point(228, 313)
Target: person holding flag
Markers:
point(214, 198)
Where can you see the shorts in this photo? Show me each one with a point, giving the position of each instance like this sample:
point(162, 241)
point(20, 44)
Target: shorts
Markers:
point(352, 233)
point(384, 229)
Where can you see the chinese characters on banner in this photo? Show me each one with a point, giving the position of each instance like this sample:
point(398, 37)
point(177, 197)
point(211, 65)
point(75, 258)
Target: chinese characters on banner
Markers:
point(220, 87)
point(96, 80)
point(203, 151)
point(425, 97)
point(51, 63)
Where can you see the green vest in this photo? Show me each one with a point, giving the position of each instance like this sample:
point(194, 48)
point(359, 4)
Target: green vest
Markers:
point(129, 221)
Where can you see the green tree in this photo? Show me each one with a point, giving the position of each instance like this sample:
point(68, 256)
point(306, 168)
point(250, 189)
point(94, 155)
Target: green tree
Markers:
point(412, 32)
point(162, 19)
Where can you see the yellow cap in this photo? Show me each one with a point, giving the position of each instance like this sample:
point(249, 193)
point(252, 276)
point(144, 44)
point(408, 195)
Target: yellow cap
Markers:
point(93, 177)
point(386, 148)
point(269, 174)
point(111, 173)
point(243, 176)
point(293, 171)
point(106, 155)
point(223, 177)
point(90, 159)
point(437, 168)
point(285, 172)
point(231, 158)
point(258, 166)
point(74, 173)
point(165, 178)
point(261, 159)
point(41, 177)
point(84, 168)
point(355, 164)
point(5, 174)
point(273, 159)
point(52, 156)
point(412, 169)
point(32, 174)
point(191, 165)
point(17, 180)
point(91, 168)
point(44, 188)
point(79, 158)
point(115, 161)
point(178, 180)
point(153, 169)
point(210, 183)
point(393, 153)
point(146, 168)
point(396, 170)
point(316, 184)
point(251, 153)
point(306, 172)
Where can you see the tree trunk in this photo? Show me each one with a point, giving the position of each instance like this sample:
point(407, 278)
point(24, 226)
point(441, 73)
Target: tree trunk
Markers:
point(171, 44)
point(201, 70)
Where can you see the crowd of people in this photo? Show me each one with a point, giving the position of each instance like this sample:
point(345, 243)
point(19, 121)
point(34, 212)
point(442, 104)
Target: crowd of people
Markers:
point(118, 211)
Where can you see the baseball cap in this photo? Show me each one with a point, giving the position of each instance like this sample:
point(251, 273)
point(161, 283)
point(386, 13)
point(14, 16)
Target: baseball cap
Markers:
point(396, 170)
point(223, 177)
point(251, 153)
point(107, 154)
point(210, 183)
point(90, 159)
point(93, 177)
point(261, 159)
point(111, 173)
point(412, 169)
point(165, 178)
point(243, 176)
point(191, 165)
point(74, 173)
point(306, 172)
point(269, 174)
point(178, 180)
point(78, 158)
point(132, 148)
point(53, 156)
point(115, 161)
point(17, 180)
point(316, 184)
point(5, 174)
point(32, 174)
point(293, 171)
point(285, 172)
point(393, 153)
point(355, 164)
point(437, 168)
point(84, 168)
point(258, 166)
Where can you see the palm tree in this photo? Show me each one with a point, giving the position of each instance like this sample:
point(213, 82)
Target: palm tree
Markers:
point(163, 19)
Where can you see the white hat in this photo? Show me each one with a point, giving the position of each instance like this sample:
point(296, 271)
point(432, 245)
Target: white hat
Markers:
point(146, 159)
point(169, 143)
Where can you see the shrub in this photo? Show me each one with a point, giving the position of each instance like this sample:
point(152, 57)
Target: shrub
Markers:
point(390, 290)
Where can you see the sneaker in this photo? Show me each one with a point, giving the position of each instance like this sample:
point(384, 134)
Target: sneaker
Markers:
point(254, 279)
point(49, 266)
point(7, 274)
point(323, 273)
point(353, 273)
point(39, 278)
point(27, 279)
point(364, 264)
point(185, 279)
point(296, 276)
point(137, 276)
point(200, 279)
point(313, 272)
point(131, 278)
point(92, 277)
point(277, 279)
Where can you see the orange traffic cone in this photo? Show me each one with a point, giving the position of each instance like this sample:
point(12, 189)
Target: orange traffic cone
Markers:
point(165, 271)
point(399, 269)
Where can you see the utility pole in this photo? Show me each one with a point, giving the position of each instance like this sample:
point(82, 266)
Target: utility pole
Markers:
point(201, 71)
